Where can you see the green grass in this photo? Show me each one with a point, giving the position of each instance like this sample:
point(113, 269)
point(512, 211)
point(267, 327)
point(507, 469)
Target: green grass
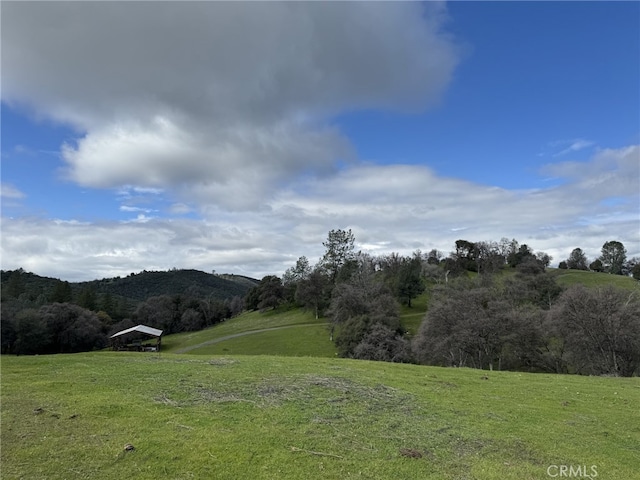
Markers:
point(242, 324)
point(306, 336)
point(294, 341)
point(567, 278)
point(295, 333)
point(265, 417)
point(251, 415)
point(411, 318)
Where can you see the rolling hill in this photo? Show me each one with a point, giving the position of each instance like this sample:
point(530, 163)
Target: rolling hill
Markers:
point(566, 278)
point(114, 415)
point(273, 332)
point(143, 285)
point(138, 287)
point(263, 396)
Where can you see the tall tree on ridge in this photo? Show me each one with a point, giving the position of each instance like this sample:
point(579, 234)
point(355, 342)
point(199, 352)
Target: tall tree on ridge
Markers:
point(613, 257)
point(577, 260)
point(339, 252)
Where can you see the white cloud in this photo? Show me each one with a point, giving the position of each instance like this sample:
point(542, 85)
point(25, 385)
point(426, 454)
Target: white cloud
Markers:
point(9, 191)
point(390, 208)
point(571, 146)
point(140, 218)
point(225, 109)
point(221, 102)
point(78, 251)
point(609, 173)
point(127, 208)
point(180, 209)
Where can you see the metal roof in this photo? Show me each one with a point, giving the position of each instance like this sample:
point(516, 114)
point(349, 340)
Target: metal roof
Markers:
point(139, 328)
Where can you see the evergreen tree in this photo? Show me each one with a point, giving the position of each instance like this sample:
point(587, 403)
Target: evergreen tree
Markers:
point(339, 245)
point(61, 293)
point(613, 257)
point(410, 283)
point(577, 260)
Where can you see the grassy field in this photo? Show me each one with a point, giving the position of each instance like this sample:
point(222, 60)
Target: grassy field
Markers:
point(294, 341)
point(226, 409)
point(298, 334)
point(566, 278)
point(264, 417)
point(292, 332)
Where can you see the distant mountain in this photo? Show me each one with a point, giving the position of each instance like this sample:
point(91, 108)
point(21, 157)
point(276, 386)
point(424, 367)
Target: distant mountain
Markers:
point(195, 283)
point(136, 287)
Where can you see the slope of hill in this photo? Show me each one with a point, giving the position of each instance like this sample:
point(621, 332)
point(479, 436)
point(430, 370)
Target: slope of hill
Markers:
point(138, 287)
point(566, 278)
point(263, 333)
point(149, 284)
point(262, 417)
point(239, 279)
point(293, 332)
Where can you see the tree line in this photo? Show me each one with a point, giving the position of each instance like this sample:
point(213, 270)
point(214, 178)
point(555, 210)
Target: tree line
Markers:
point(520, 321)
point(57, 320)
point(613, 259)
point(478, 316)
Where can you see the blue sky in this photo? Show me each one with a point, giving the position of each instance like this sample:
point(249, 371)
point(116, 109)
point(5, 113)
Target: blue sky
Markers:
point(234, 137)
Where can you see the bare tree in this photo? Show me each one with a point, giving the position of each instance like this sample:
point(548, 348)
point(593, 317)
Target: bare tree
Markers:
point(357, 307)
point(601, 328)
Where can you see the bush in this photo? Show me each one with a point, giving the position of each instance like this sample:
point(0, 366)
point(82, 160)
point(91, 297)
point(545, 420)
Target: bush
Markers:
point(383, 344)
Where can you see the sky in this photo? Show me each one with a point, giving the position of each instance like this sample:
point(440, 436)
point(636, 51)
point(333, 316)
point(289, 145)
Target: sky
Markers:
point(234, 136)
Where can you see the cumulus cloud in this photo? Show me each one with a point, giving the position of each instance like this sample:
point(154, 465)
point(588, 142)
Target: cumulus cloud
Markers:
point(8, 191)
point(413, 208)
point(221, 100)
point(81, 251)
point(127, 208)
point(227, 108)
point(609, 173)
point(390, 209)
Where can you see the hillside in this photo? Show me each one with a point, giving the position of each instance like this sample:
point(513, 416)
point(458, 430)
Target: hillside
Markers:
point(149, 284)
point(263, 396)
point(566, 278)
point(272, 333)
point(264, 417)
point(138, 287)
point(293, 332)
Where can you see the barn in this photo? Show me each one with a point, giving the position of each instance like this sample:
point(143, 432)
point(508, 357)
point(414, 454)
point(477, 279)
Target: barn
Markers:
point(140, 338)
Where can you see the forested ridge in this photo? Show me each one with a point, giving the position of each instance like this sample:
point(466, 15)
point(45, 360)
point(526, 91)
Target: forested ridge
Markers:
point(134, 287)
point(491, 305)
point(49, 315)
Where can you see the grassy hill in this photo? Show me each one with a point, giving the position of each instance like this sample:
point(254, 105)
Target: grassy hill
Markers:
point(265, 417)
point(289, 332)
point(219, 404)
point(566, 278)
point(283, 332)
point(274, 332)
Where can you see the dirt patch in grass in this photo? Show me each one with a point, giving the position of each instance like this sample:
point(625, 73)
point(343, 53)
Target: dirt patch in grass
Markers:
point(360, 419)
point(276, 390)
point(509, 452)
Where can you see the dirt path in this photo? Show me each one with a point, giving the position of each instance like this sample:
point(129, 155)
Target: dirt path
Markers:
point(241, 334)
